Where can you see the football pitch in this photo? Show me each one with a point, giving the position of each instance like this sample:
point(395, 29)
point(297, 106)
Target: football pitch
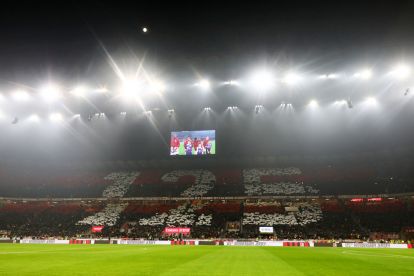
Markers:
point(23, 259)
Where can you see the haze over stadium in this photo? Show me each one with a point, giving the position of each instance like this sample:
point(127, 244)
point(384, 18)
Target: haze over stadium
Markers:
point(186, 140)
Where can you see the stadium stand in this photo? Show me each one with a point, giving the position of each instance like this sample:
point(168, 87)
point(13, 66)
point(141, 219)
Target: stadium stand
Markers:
point(312, 202)
point(45, 218)
point(289, 181)
point(291, 219)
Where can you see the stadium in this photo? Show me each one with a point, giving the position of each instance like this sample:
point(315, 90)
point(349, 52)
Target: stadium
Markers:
point(272, 139)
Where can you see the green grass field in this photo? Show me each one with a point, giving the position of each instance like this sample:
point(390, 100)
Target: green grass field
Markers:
point(23, 259)
point(181, 150)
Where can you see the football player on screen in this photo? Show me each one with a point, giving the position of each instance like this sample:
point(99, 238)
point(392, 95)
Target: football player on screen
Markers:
point(188, 146)
point(175, 144)
point(195, 144)
point(200, 148)
point(207, 145)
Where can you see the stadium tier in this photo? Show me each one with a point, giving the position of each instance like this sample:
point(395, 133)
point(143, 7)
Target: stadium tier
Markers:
point(191, 183)
point(332, 218)
point(311, 202)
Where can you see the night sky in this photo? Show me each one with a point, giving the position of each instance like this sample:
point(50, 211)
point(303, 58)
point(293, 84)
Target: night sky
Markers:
point(66, 38)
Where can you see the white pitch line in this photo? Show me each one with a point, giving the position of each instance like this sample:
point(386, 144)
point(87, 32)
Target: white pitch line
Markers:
point(14, 252)
point(376, 255)
point(38, 251)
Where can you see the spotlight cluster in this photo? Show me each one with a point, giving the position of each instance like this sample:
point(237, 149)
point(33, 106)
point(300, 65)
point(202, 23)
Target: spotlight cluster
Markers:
point(258, 109)
point(55, 117)
point(284, 105)
point(232, 108)
point(262, 80)
point(203, 84)
point(145, 86)
point(311, 105)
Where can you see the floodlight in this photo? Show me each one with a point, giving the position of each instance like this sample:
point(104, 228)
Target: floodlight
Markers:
point(292, 78)
point(262, 80)
point(170, 112)
point(79, 91)
point(401, 71)
point(203, 84)
point(50, 93)
point(328, 76)
point(101, 90)
point(34, 118)
point(231, 82)
point(131, 87)
point(157, 86)
point(55, 117)
point(313, 104)
point(365, 74)
point(258, 108)
point(371, 101)
point(20, 96)
point(340, 102)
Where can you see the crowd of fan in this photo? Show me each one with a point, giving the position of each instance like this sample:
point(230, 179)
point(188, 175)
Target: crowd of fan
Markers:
point(121, 183)
point(139, 223)
point(302, 214)
point(290, 219)
point(111, 213)
point(278, 189)
point(183, 215)
point(108, 216)
point(204, 220)
point(51, 184)
point(200, 183)
point(254, 184)
point(203, 181)
point(45, 219)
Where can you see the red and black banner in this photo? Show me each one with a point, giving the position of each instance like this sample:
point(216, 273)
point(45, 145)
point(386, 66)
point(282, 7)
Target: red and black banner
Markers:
point(296, 244)
point(182, 242)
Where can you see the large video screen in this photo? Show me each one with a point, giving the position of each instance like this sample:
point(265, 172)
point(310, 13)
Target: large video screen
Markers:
point(196, 142)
